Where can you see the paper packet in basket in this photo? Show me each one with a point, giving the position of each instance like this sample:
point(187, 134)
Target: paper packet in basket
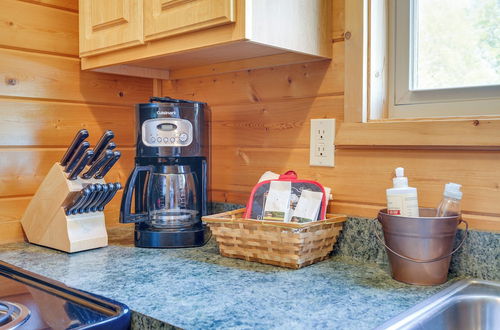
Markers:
point(257, 203)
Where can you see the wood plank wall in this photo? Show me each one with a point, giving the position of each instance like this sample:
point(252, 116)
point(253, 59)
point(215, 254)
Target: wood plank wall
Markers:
point(45, 99)
point(260, 121)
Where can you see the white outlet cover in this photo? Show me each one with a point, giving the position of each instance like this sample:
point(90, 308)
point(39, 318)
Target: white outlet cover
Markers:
point(322, 136)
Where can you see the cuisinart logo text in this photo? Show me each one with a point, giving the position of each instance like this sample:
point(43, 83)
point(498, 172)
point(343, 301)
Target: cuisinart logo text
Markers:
point(170, 113)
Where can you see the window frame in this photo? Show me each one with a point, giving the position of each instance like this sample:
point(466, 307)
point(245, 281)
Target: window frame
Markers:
point(407, 103)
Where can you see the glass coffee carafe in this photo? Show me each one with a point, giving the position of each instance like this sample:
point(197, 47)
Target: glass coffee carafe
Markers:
point(166, 197)
point(172, 200)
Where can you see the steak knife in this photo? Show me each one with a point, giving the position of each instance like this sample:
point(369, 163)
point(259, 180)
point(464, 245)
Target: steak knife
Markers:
point(95, 205)
point(80, 198)
point(105, 157)
point(76, 208)
point(79, 138)
point(110, 196)
point(111, 187)
point(88, 202)
point(81, 165)
point(95, 199)
point(101, 145)
point(105, 169)
point(77, 155)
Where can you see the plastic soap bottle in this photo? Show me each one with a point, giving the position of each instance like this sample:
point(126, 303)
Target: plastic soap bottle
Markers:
point(401, 199)
point(450, 205)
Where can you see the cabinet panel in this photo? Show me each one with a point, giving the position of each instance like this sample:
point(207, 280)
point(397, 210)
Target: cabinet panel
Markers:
point(108, 25)
point(170, 17)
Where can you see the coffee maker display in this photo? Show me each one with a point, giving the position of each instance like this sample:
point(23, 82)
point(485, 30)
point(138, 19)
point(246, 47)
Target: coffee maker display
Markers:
point(169, 180)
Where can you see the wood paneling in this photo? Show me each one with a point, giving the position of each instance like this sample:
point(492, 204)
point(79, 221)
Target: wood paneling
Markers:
point(38, 28)
point(70, 5)
point(54, 124)
point(45, 99)
point(30, 75)
point(271, 124)
point(260, 122)
point(285, 82)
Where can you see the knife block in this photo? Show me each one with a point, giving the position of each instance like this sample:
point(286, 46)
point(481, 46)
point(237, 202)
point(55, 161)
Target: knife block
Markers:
point(45, 221)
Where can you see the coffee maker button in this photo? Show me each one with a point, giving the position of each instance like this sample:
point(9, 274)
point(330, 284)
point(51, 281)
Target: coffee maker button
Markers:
point(172, 139)
point(183, 137)
point(165, 139)
point(153, 140)
point(159, 139)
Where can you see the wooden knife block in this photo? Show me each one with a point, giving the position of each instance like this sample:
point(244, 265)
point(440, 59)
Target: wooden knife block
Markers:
point(46, 223)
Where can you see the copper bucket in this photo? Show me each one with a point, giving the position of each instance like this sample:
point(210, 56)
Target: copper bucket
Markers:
point(420, 249)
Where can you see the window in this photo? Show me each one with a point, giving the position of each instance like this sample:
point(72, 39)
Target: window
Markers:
point(444, 58)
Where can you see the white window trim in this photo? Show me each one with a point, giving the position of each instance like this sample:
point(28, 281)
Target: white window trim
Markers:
point(405, 103)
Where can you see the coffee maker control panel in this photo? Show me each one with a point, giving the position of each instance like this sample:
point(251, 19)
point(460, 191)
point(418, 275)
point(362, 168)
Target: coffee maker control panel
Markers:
point(167, 132)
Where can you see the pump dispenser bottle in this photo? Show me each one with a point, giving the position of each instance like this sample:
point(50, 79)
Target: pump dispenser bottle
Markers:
point(401, 199)
point(450, 205)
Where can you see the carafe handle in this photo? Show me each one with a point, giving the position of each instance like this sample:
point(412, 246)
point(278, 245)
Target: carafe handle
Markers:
point(125, 215)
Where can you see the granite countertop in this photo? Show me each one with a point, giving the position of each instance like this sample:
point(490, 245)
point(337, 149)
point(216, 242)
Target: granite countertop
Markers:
point(199, 289)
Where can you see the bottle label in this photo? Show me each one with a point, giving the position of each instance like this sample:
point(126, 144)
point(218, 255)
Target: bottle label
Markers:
point(405, 205)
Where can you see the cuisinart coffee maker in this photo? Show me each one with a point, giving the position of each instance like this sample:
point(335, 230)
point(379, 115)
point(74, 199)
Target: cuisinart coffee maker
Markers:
point(169, 181)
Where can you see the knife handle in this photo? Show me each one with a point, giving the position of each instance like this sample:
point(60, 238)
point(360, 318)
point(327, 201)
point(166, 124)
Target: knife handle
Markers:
point(81, 197)
point(91, 201)
point(95, 206)
point(111, 146)
point(81, 165)
point(105, 157)
point(79, 138)
point(101, 145)
point(76, 156)
point(105, 169)
point(110, 196)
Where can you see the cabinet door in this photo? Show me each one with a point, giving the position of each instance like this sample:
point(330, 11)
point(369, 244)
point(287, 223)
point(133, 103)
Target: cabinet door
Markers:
point(170, 17)
point(110, 24)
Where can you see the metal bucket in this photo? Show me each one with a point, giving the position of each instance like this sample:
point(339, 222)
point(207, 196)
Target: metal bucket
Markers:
point(420, 249)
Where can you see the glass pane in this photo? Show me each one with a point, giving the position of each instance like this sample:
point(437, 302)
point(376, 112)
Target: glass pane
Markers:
point(457, 43)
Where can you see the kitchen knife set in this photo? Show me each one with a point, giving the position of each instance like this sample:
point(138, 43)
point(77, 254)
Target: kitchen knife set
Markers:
point(66, 212)
point(100, 160)
point(92, 197)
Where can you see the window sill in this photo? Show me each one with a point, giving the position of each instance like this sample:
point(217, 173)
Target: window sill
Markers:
point(478, 133)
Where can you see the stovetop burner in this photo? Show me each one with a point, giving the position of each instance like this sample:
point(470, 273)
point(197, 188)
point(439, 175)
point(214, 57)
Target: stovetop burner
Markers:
point(30, 301)
point(12, 315)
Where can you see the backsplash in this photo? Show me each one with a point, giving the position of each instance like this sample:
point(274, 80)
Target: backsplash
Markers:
point(479, 257)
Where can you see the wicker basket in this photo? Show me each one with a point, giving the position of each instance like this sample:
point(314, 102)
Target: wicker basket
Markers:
point(290, 245)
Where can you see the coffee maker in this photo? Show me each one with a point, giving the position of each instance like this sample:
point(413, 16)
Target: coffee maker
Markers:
point(169, 180)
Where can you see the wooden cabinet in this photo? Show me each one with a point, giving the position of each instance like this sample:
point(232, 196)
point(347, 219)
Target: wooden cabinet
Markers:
point(163, 18)
point(180, 38)
point(109, 25)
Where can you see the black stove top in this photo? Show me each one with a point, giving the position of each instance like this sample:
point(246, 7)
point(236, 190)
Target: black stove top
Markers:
point(31, 301)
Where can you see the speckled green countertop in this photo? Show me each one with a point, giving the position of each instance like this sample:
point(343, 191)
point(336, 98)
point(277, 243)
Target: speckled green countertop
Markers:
point(199, 289)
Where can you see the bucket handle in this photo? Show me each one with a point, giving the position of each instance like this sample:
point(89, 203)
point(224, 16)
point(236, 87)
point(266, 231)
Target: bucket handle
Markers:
point(431, 260)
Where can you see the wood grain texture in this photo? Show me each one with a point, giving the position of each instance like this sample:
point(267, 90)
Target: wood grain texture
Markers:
point(38, 28)
point(452, 133)
point(54, 124)
point(285, 82)
point(271, 124)
point(55, 77)
point(70, 5)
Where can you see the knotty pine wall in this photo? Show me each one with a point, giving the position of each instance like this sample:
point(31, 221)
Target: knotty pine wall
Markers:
point(45, 99)
point(260, 121)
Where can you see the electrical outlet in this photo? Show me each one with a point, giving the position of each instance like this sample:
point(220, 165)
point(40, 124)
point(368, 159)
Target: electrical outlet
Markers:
point(322, 142)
